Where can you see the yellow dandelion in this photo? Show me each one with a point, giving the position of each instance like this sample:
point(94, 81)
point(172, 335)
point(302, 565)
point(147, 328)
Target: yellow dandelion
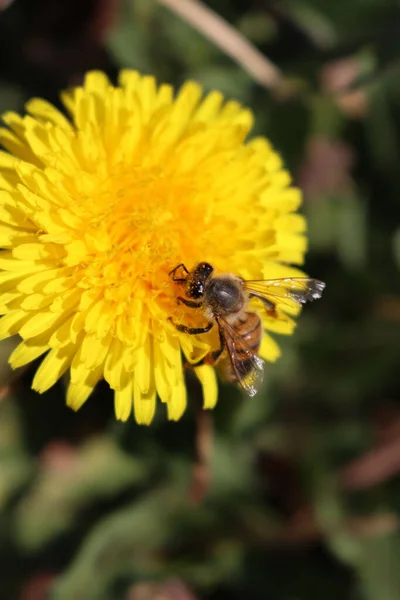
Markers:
point(96, 210)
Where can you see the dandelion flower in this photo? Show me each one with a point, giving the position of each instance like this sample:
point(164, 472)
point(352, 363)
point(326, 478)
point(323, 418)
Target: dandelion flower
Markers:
point(96, 209)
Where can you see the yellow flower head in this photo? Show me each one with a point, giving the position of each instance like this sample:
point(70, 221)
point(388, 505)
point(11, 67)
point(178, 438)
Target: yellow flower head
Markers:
point(96, 211)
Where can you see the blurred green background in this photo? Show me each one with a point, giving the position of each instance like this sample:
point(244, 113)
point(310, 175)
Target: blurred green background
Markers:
point(295, 494)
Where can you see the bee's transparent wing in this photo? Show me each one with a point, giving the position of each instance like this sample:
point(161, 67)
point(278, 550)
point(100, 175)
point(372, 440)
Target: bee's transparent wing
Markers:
point(289, 290)
point(247, 366)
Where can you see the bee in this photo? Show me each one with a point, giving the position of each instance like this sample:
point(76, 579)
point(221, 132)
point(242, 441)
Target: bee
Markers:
point(224, 301)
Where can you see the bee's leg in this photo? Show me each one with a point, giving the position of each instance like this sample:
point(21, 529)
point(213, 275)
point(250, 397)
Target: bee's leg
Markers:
point(270, 307)
point(190, 303)
point(178, 279)
point(212, 357)
point(217, 353)
point(192, 330)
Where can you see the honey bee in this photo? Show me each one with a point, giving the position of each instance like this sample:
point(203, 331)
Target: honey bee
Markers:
point(224, 301)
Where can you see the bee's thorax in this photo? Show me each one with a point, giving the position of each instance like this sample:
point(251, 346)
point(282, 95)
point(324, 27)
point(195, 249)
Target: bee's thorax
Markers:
point(224, 295)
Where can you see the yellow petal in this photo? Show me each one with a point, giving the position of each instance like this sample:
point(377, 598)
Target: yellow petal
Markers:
point(38, 252)
point(129, 79)
point(114, 366)
point(10, 236)
point(25, 353)
point(44, 321)
point(283, 325)
point(177, 403)
point(17, 146)
point(53, 367)
point(94, 350)
point(62, 335)
point(123, 400)
point(14, 122)
point(209, 108)
point(37, 281)
point(144, 369)
point(144, 405)
point(43, 109)
point(100, 318)
point(11, 323)
point(78, 392)
point(9, 263)
point(208, 380)
point(269, 349)
point(96, 81)
point(162, 372)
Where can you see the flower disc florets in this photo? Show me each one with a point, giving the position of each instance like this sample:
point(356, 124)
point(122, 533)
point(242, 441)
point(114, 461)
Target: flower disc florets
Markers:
point(96, 211)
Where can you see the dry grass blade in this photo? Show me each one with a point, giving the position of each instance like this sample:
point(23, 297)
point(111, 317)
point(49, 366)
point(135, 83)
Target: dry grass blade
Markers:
point(233, 43)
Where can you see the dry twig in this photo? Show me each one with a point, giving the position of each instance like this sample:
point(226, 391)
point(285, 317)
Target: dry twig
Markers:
point(201, 469)
point(378, 465)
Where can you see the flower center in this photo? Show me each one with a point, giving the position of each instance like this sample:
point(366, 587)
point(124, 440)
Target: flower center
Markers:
point(140, 225)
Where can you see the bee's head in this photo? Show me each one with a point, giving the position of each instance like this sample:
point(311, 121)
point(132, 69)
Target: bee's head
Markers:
point(196, 280)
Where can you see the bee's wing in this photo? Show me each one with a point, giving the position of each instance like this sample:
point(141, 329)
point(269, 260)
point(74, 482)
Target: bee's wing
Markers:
point(289, 290)
point(247, 366)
